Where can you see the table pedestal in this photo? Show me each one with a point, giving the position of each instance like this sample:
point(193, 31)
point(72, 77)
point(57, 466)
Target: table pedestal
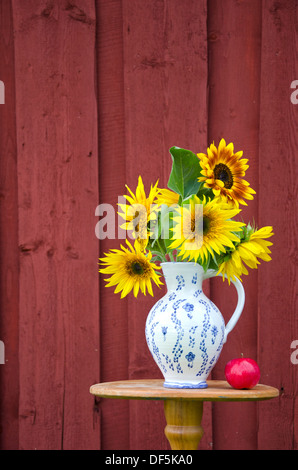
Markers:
point(183, 429)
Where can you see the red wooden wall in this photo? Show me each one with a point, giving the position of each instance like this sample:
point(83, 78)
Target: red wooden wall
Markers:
point(96, 92)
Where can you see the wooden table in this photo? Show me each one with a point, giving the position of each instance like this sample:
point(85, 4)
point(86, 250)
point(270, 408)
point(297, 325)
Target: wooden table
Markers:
point(183, 407)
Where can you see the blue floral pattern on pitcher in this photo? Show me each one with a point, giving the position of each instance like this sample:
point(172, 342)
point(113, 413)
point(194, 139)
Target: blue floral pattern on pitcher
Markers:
point(185, 331)
point(190, 333)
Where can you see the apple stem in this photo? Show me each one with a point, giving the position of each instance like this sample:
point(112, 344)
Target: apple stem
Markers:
point(242, 355)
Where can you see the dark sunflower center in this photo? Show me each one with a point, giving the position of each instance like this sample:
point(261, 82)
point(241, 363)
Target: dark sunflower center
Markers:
point(192, 225)
point(206, 225)
point(137, 268)
point(222, 172)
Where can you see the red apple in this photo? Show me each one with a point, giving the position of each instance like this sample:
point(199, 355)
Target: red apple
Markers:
point(242, 373)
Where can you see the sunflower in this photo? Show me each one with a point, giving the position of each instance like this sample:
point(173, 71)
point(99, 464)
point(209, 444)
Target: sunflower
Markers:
point(142, 209)
point(222, 171)
point(251, 247)
point(131, 270)
point(167, 197)
point(199, 232)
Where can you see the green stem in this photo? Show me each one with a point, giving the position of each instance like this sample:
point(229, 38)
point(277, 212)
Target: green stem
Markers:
point(178, 258)
point(160, 249)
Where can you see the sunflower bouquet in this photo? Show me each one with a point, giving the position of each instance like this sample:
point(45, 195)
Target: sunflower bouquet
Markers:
point(191, 220)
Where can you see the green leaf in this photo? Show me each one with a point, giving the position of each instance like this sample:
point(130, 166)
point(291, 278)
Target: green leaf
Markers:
point(213, 264)
point(185, 172)
point(205, 192)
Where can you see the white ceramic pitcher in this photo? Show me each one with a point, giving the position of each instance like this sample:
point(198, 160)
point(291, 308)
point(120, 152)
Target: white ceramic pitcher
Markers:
point(185, 331)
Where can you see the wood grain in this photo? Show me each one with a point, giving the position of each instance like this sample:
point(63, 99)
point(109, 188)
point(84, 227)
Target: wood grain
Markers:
point(278, 324)
point(153, 389)
point(57, 195)
point(183, 429)
point(9, 261)
point(234, 38)
point(114, 342)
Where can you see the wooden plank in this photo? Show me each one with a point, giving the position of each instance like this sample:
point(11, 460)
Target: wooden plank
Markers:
point(58, 193)
point(234, 35)
point(114, 342)
point(278, 323)
point(9, 292)
point(165, 78)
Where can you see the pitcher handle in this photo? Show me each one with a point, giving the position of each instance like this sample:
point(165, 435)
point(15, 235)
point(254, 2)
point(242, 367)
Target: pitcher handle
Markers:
point(240, 304)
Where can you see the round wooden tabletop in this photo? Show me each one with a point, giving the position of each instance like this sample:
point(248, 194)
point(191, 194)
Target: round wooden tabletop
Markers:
point(217, 390)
